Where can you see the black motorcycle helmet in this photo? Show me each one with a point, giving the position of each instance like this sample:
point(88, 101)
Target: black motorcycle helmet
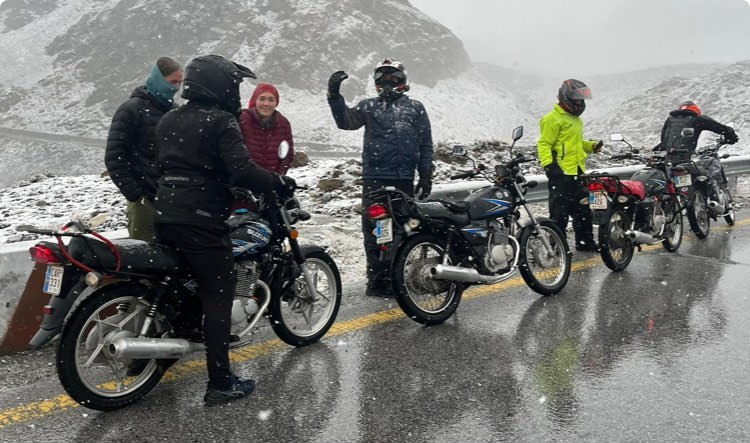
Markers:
point(390, 78)
point(572, 96)
point(214, 79)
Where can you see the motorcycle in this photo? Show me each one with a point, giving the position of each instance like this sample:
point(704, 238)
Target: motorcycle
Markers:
point(646, 209)
point(131, 308)
point(711, 198)
point(436, 249)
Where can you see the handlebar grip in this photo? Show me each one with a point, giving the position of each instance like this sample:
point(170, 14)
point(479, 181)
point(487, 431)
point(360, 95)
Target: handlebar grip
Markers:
point(462, 175)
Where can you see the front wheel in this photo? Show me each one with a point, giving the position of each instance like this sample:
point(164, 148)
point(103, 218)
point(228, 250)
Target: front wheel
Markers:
point(421, 297)
point(616, 248)
point(545, 259)
point(303, 315)
point(88, 370)
point(697, 213)
point(726, 198)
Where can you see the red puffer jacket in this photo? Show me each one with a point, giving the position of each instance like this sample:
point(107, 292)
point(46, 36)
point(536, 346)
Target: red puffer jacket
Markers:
point(262, 141)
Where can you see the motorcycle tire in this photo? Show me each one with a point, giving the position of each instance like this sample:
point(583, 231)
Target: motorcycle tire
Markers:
point(674, 230)
point(423, 299)
point(545, 272)
point(87, 371)
point(729, 216)
point(300, 320)
point(697, 213)
point(616, 248)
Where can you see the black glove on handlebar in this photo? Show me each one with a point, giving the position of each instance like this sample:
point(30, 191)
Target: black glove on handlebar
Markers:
point(731, 137)
point(424, 186)
point(334, 83)
point(288, 185)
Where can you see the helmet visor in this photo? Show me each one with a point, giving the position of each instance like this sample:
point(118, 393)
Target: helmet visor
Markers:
point(583, 93)
point(393, 75)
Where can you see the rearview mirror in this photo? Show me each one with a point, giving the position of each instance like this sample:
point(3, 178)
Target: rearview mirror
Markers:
point(458, 151)
point(283, 149)
point(616, 137)
point(517, 133)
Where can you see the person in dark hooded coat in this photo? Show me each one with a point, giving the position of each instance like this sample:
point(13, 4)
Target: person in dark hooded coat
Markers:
point(130, 155)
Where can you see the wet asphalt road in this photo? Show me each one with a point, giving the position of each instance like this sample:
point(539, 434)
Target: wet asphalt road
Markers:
point(659, 352)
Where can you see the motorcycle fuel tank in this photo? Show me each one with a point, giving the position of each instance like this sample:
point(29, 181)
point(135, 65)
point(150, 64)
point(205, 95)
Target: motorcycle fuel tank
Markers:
point(249, 235)
point(489, 203)
point(654, 180)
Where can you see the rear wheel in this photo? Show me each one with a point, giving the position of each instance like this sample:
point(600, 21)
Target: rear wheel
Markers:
point(545, 258)
point(88, 370)
point(673, 230)
point(423, 298)
point(616, 248)
point(304, 317)
point(697, 214)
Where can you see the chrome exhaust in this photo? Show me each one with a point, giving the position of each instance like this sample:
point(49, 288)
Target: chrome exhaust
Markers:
point(130, 348)
point(640, 237)
point(716, 207)
point(458, 273)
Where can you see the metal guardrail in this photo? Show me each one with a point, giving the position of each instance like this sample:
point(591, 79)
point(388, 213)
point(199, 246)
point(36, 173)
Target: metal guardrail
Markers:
point(733, 166)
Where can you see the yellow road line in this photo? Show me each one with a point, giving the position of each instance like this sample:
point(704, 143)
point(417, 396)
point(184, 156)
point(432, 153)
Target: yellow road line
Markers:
point(48, 407)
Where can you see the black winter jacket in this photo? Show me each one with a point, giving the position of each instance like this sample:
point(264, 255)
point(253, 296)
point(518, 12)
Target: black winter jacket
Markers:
point(130, 156)
point(397, 140)
point(201, 155)
point(679, 119)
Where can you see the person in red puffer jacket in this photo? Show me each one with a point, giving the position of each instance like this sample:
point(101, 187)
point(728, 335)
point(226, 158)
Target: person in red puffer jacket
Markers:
point(264, 128)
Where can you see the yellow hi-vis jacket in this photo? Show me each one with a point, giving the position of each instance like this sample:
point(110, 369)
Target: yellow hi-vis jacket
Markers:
point(561, 140)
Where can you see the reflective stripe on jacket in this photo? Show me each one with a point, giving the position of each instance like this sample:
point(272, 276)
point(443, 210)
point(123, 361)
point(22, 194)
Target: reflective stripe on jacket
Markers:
point(561, 140)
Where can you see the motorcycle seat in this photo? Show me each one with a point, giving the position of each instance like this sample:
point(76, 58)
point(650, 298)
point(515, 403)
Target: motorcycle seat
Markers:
point(456, 213)
point(136, 256)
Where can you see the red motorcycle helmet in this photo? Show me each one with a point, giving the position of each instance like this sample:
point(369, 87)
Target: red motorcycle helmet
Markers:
point(689, 105)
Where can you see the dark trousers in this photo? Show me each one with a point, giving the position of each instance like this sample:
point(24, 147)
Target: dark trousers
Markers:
point(566, 192)
point(209, 255)
point(376, 270)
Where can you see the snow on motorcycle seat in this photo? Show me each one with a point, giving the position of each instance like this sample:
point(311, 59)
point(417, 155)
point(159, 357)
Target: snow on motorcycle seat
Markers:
point(136, 256)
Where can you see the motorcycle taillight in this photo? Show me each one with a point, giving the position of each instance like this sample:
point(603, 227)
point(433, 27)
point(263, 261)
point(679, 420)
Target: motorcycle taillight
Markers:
point(596, 186)
point(43, 255)
point(377, 211)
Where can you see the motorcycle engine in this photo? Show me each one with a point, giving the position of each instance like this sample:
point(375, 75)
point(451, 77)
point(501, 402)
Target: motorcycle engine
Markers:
point(499, 251)
point(244, 305)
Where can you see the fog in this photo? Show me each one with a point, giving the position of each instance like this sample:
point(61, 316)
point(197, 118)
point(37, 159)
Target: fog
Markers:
point(580, 37)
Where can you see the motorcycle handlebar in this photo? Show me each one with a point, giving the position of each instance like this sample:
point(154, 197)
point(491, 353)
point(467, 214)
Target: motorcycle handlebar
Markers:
point(463, 175)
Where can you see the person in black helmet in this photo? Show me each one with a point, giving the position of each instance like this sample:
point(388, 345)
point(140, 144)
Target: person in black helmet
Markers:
point(201, 154)
point(562, 154)
point(397, 143)
point(689, 115)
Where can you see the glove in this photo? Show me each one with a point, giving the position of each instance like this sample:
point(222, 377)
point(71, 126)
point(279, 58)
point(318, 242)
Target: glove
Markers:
point(287, 187)
point(334, 83)
point(731, 137)
point(553, 170)
point(423, 188)
point(598, 146)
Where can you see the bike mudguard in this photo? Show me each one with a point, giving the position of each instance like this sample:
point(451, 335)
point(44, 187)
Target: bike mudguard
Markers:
point(52, 324)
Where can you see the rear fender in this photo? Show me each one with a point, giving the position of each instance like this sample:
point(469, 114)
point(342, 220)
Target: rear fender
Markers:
point(60, 307)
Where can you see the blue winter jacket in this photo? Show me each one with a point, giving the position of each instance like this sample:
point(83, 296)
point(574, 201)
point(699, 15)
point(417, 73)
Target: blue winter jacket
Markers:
point(398, 138)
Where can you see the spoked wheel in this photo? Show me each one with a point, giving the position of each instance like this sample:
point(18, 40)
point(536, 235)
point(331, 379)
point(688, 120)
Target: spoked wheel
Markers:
point(697, 214)
point(673, 230)
point(305, 315)
point(423, 298)
point(88, 370)
point(726, 198)
point(545, 258)
point(616, 248)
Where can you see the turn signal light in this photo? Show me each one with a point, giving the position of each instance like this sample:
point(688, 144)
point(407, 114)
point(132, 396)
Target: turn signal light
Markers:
point(43, 255)
point(596, 186)
point(377, 211)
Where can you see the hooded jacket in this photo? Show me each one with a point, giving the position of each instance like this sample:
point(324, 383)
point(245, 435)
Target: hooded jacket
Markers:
point(130, 155)
point(397, 139)
point(561, 141)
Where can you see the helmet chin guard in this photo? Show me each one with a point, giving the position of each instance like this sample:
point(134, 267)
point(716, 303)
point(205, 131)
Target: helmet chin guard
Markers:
point(390, 78)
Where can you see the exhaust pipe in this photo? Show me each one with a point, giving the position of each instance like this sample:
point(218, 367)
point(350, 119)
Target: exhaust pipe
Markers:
point(130, 348)
point(716, 207)
point(458, 273)
point(640, 237)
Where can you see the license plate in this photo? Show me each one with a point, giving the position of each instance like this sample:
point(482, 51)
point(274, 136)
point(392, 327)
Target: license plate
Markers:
point(53, 279)
point(597, 200)
point(384, 231)
point(683, 180)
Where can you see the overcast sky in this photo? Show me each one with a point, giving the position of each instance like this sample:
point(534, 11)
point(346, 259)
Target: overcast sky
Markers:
point(578, 37)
